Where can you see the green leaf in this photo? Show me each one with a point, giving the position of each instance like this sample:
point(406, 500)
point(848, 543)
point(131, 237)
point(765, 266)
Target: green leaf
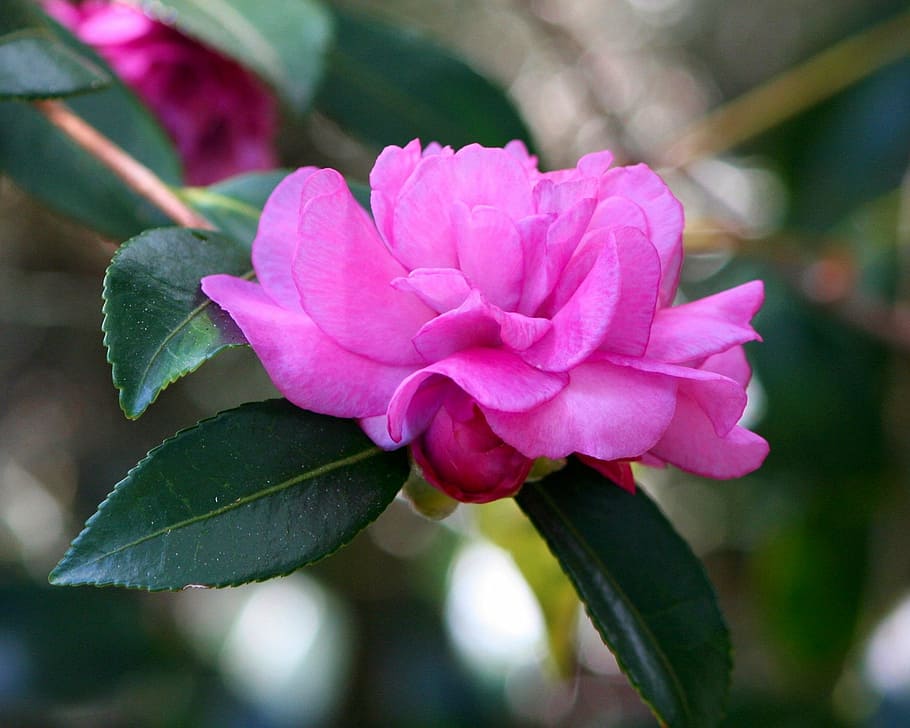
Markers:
point(389, 86)
point(234, 205)
point(283, 41)
point(252, 493)
point(47, 164)
point(645, 591)
point(34, 65)
point(158, 325)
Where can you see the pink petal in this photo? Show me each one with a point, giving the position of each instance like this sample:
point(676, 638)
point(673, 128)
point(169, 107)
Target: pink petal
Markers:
point(708, 326)
point(477, 323)
point(420, 234)
point(663, 211)
point(691, 443)
point(630, 327)
point(442, 289)
point(460, 455)
point(562, 239)
point(532, 231)
point(306, 366)
point(617, 212)
point(494, 378)
point(580, 325)
point(490, 253)
point(344, 274)
point(423, 235)
point(732, 364)
point(392, 168)
point(723, 399)
point(276, 239)
point(608, 412)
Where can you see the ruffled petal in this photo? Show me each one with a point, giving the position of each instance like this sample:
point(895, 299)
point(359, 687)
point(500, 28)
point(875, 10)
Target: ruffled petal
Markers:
point(442, 289)
point(630, 327)
point(692, 331)
point(344, 274)
point(392, 168)
point(305, 365)
point(722, 399)
point(692, 444)
point(276, 240)
point(606, 411)
point(477, 324)
point(664, 214)
point(580, 324)
point(490, 253)
point(494, 378)
point(423, 234)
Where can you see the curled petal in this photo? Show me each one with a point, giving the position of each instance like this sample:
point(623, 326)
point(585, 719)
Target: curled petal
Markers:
point(692, 331)
point(477, 323)
point(344, 274)
point(423, 233)
point(493, 378)
point(664, 214)
point(692, 444)
point(580, 324)
point(392, 168)
point(630, 327)
point(490, 253)
point(276, 239)
point(606, 411)
point(721, 398)
point(305, 365)
point(442, 289)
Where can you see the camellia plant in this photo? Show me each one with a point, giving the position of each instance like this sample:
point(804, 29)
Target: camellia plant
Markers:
point(468, 321)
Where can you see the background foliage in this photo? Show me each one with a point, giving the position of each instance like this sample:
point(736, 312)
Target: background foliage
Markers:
point(809, 555)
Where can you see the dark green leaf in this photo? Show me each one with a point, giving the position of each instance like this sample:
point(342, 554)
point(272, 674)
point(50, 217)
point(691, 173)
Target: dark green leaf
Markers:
point(646, 592)
point(284, 41)
point(252, 493)
point(158, 325)
point(234, 205)
point(33, 66)
point(389, 86)
point(54, 169)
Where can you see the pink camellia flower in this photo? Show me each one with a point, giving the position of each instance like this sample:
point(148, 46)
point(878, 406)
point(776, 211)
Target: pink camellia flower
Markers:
point(490, 314)
point(221, 118)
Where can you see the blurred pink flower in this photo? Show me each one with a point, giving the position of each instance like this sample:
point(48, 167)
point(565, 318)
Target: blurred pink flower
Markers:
point(490, 314)
point(222, 119)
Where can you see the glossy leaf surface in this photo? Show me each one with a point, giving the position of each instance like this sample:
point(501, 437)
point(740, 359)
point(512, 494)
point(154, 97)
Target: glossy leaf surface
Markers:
point(389, 86)
point(158, 325)
point(283, 41)
point(34, 65)
point(252, 493)
point(645, 591)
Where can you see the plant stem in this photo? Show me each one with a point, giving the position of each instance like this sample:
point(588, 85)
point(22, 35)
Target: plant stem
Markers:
point(136, 175)
point(789, 93)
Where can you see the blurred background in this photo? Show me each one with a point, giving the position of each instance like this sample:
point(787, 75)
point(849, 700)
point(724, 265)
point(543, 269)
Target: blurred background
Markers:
point(784, 126)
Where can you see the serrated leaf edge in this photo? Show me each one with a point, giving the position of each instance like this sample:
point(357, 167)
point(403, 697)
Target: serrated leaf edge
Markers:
point(53, 577)
point(141, 405)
